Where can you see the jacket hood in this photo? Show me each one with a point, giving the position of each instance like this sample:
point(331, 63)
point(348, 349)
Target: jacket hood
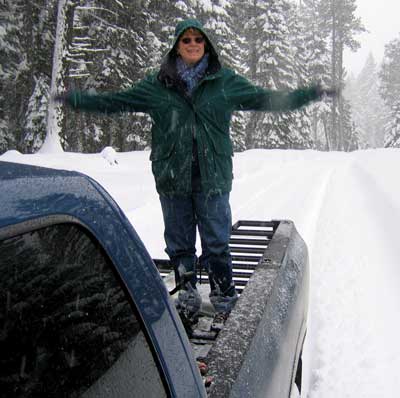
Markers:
point(167, 74)
point(186, 24)
point(196, 24)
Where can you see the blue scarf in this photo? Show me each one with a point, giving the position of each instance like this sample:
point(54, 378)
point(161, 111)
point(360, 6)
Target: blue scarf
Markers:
point(191, 75)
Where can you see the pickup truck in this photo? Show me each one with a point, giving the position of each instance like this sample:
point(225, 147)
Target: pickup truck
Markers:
point(86, 312)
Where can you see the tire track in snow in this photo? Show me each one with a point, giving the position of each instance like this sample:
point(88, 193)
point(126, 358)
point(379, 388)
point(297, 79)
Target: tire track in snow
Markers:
point(354, 295)
point(285, 194)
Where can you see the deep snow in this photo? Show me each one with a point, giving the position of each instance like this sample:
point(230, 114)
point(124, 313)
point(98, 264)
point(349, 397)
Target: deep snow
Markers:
point(347, 208)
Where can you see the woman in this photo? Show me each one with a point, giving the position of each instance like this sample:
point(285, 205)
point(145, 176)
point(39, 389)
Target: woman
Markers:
point(191, 100)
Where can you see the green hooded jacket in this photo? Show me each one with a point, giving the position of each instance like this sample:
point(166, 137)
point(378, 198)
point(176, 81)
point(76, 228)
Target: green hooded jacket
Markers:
point(205, 116)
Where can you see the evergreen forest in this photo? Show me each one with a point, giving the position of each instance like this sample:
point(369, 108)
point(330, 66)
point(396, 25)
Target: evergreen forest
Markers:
point(51, 46)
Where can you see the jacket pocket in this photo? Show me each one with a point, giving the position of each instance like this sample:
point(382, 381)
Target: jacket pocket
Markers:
point(222, 162)
point(221, 144)
point(162, 150)
point(166, 169)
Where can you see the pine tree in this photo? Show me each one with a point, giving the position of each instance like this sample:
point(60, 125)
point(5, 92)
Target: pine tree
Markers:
point(340, 23)
point(390, 73)
point(369, 111)
point(36, 116)
point(27, 38)
point(272, 66)
point(390, 90)
point(351, 133)
point(162, 18)
point(55, 115)
point(9, 60)
point(316, 57)
point(238, 62)
point(13, 66)
point(107, 53)
point(111, 45)
point(392, 129)
point(38, 39)
point(298, 40)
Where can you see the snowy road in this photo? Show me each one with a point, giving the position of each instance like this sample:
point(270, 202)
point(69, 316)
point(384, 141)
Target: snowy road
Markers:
point(346, 207)
point(352, 347)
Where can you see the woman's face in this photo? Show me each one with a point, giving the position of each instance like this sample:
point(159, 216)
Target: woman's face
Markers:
point(191, 46)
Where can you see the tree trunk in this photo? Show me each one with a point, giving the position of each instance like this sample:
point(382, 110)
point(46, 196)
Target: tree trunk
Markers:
point(333, 127)
point(340, 98)
point(55, 114)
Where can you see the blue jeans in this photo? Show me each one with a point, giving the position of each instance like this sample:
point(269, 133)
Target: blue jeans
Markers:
point(212, 215)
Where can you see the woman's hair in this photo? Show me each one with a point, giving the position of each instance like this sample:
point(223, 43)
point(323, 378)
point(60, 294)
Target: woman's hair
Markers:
point(191, 30)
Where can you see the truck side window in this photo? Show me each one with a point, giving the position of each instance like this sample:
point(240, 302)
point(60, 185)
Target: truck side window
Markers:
point(67, 328)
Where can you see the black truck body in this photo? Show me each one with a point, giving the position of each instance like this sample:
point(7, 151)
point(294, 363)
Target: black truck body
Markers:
point(62, 237)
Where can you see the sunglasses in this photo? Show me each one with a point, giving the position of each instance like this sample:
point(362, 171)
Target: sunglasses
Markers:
point(188, 40)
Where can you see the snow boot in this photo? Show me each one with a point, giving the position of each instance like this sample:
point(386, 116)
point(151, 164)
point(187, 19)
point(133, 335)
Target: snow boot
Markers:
point(223, 305)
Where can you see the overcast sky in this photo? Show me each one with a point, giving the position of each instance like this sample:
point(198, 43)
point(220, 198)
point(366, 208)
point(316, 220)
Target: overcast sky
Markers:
point(382, 19)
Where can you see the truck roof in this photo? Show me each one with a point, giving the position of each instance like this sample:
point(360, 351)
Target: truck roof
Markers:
point(29, 191)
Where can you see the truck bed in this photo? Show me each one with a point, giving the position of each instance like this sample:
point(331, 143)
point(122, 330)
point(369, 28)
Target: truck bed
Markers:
point(270, 270)
point(248, 243)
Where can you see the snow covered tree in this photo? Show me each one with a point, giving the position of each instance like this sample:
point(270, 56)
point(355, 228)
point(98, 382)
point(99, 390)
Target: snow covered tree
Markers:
point(299, 44)
point(390, 73)
point(368, 109)
point(14, 90)
point(107, 52)
point(248, 27)
point(55, 115)
point(38, 39)
point(341, 25)
point(26, 43)
point(217, 20)
point(270, 55)
point(111, 45)
point(161, 18)
point(390, 89)
point(9, 61)
point(36, 116)
point(317, 58)
point(351, 132)
point(239, 64)
point(392, 129)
